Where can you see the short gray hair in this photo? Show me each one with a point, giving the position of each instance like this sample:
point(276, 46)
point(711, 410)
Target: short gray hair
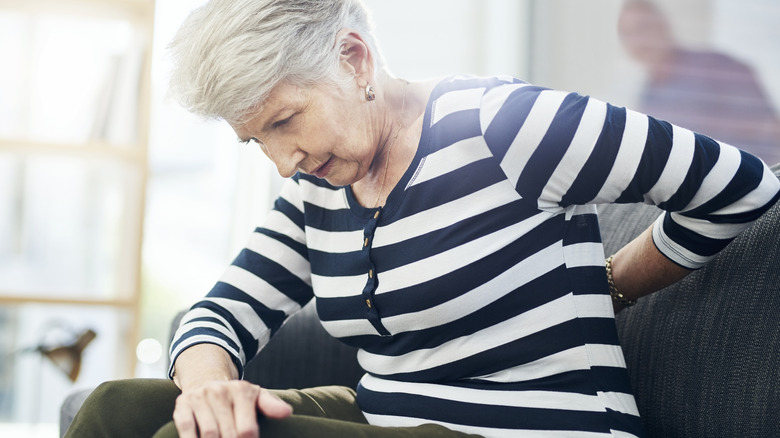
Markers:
point(229, 54)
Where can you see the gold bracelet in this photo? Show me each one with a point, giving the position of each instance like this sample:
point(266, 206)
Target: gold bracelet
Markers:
point(617, 296)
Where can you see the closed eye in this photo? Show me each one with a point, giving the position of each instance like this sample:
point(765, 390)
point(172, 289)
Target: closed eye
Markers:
point(283, 122)
point(251, 140)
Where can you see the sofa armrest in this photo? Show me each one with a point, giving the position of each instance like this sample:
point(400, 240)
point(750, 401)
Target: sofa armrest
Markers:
point(70, 406)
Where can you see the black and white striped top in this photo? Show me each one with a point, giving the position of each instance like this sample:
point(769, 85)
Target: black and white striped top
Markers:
point(477, 296)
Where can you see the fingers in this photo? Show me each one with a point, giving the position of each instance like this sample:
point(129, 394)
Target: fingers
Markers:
point(271, 406)
point(245, 416)
point(184, 419)
point(200, 415)
point(224, 410)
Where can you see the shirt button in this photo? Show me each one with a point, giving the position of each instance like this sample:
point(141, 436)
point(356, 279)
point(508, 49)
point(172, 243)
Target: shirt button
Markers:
point(368, 303)
point(376, 215)
point(370, 273)
point(365, 243)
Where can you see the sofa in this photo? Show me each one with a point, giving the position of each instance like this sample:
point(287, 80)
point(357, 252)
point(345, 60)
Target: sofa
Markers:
point(703, 354)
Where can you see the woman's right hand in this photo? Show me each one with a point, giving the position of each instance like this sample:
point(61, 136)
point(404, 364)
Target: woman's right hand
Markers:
point(213, 403)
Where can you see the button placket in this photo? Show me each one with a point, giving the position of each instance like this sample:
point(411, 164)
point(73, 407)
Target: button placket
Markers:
point(372, 280)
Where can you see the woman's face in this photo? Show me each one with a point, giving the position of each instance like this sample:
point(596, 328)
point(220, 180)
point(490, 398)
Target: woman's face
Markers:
point(322, 131)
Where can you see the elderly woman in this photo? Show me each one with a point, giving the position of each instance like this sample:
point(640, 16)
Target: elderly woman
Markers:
point(446, 228)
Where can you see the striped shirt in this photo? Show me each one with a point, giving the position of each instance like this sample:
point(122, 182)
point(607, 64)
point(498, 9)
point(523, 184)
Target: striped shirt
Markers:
point(477, 295)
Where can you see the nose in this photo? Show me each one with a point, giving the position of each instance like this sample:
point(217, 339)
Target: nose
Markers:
point(287, 159)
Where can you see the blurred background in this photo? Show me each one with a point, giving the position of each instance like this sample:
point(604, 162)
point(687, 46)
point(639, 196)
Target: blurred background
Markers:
point(118, 209)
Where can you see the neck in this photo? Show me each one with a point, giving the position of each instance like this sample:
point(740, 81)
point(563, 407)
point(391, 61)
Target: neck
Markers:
point(401, 118)
point(391, 142)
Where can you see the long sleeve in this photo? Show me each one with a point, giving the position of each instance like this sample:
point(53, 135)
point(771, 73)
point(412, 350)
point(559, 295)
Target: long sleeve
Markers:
point(565, 149)
point(268, 281)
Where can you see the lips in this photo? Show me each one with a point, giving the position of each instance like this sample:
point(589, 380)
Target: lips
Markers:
point(323, 170)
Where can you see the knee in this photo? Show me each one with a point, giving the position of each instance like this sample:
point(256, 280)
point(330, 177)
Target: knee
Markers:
point(115, 396)
point(106, 398)
point(125, 408)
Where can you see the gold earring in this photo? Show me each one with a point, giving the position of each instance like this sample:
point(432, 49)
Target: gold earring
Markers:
point(370, 94)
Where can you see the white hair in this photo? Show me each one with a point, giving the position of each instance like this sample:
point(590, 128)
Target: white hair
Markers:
point(229, 54)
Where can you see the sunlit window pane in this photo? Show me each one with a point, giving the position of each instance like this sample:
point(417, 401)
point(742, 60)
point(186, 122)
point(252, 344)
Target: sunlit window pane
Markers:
point(64, 226)
point(67, 79)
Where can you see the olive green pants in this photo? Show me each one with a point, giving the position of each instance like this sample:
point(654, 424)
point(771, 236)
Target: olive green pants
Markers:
point(144, 407)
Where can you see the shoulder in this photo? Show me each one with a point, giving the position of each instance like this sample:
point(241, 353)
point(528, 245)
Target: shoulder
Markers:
point(455, 95)
point(461, 88)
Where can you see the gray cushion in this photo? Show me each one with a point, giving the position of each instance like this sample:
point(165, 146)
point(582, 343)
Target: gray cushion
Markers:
point(703, 354)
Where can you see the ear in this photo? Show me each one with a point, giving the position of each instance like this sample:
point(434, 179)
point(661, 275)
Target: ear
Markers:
point(355, 57)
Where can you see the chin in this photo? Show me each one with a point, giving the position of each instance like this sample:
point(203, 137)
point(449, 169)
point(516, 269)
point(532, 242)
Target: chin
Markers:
point(340, 178)
point(337, 181)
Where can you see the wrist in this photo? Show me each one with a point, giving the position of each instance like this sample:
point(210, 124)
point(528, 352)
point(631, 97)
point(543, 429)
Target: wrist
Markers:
point(203, 363)
point(619, 300)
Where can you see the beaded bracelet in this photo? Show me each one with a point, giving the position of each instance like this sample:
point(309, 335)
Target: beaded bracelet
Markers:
point(617, 296)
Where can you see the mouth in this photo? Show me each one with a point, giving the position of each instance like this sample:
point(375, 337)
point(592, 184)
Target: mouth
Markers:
point(324, 168)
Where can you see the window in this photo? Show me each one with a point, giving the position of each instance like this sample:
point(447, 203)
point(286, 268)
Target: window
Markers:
point(706, 65)
point(74, 111)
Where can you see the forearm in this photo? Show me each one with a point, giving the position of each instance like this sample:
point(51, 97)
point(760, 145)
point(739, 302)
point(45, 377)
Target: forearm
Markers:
point(203, 363)
point(639, 269)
